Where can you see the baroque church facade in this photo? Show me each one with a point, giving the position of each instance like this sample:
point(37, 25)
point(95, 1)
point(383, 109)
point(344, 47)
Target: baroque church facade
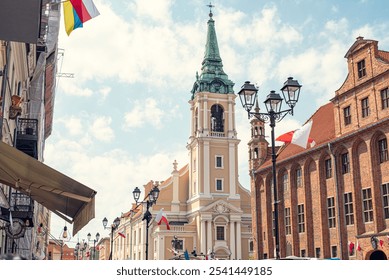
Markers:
point(209, 212)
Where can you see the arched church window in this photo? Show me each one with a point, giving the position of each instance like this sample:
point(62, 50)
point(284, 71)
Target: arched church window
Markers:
point(217, 120)
point(255, 153)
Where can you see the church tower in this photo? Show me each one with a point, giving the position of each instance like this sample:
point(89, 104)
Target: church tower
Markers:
point(209, 212)
point(218, 202)
point(258, 145)
point(213, 144)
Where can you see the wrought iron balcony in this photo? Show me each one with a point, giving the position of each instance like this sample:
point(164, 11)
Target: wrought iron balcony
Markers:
point(27, 136)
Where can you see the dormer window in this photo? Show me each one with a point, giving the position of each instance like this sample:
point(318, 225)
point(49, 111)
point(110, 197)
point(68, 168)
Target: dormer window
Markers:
point(361, 69)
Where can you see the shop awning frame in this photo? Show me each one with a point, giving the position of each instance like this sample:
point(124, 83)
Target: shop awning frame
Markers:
point(69, 199)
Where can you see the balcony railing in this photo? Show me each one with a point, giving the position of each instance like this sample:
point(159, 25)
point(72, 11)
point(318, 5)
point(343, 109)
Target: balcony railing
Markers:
point(27, 128)
point(217, 134)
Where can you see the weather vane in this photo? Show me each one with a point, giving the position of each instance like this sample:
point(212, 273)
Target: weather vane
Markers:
point(210, 8)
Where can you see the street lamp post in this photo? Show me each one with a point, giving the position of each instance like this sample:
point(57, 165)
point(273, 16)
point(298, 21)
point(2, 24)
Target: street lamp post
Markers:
point(150, 200)
point(248, 97)
point(114, 226)
point(94, 243)
point(77, 249)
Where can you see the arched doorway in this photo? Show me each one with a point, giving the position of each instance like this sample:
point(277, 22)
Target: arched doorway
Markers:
point(378, 255)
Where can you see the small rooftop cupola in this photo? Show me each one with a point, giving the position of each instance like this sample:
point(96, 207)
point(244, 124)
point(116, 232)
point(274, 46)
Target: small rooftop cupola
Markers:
point(212, 77)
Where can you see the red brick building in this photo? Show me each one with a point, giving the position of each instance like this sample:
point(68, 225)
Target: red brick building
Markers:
point(59, 251)
point(334, 196)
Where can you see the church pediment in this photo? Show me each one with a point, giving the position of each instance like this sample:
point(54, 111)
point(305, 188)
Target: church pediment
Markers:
point(220, 207)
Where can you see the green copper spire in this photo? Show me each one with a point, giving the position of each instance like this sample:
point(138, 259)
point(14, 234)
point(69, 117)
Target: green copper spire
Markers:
point(212, 77)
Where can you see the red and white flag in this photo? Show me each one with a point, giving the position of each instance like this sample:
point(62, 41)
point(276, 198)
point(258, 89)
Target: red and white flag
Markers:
point(122, 234)
point(161, 218)
point(299, 136)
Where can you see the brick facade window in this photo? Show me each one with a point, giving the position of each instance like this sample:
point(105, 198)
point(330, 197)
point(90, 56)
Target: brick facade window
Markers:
point(365, 107)
point(383, 150)
point(331, 212)
point(328, 168)
point(345, 163)
point(367, 205)
point(361, 69)
point(347, 115)
point(385, 98)
point(288, 224)
point(300, 218)
point(334, 251)
point(385, 199)
point(348, 208)
point(317, 253)
point(299, 179)
point(285, 181)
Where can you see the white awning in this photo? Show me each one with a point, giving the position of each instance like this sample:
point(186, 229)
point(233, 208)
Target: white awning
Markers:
point(59, 193)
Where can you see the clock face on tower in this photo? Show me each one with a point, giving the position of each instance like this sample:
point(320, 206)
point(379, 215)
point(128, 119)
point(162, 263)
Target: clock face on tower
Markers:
point(17, 229)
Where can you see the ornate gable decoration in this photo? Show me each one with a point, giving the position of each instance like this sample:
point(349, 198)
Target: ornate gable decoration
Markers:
point(221, 207)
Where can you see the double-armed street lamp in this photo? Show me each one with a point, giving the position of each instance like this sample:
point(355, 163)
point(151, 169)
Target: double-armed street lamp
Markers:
point(114, 226)
point(150, 200)
point(94, 243)
point(273, 102)
point(81, 247)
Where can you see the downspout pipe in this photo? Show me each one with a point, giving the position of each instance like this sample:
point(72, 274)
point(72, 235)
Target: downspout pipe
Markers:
point(4, 85)
point(336, 178)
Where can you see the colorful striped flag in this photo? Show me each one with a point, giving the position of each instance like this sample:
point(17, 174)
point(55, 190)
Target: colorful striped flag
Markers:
point(77, 12)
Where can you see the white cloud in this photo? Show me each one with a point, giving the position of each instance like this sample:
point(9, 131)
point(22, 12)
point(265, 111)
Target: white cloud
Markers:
point(144, 112)
point(101, 129)
point(73, 125)
point(130, 51)
point(113, 174)
point(160, 11)
point(72, 87)
point(105, 91)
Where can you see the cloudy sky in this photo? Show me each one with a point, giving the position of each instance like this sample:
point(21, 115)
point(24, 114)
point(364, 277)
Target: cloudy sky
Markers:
point(124, 117)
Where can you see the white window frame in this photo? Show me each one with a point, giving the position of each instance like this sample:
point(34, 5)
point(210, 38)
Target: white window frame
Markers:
point(331, 212)
point(224, 233)
point(367, 205)
point(385, 199)
point(222, 162)
point(222, 181)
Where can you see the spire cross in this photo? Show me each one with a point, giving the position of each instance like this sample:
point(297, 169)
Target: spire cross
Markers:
point(210, 8)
